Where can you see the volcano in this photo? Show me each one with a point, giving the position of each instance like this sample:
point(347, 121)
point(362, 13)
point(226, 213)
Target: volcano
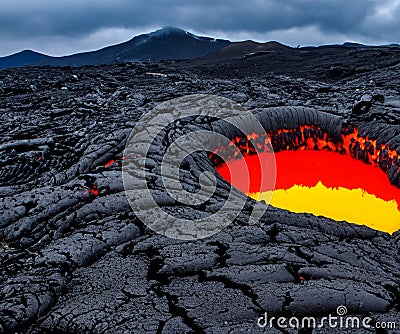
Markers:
point(166, 43)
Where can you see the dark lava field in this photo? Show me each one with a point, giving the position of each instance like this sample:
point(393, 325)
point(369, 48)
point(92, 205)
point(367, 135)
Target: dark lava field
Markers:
point(75, 258)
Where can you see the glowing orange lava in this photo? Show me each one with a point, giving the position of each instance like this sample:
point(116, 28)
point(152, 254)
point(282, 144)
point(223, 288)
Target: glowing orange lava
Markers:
point(116, 162)
point(108, 164)
point(94, 191)
point(342, 180)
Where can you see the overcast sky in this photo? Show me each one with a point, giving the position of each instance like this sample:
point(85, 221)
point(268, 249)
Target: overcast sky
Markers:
point(69, 26)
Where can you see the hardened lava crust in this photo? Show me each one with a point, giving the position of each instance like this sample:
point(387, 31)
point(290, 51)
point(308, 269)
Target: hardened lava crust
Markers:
point(75, 258)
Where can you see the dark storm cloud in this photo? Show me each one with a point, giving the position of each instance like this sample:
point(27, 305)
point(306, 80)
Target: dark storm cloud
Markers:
point(372, 19)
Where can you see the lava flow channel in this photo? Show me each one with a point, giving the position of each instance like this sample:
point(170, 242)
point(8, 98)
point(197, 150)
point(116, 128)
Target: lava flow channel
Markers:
point(321, 182)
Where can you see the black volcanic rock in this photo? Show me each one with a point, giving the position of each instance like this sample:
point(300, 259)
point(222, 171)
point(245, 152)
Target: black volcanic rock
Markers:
point(363, 106)
point(167, 43)
point(72, 261)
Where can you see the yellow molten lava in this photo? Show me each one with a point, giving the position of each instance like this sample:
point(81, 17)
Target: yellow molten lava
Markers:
point(354, 206)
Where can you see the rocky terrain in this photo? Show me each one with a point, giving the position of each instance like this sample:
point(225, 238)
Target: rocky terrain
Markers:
point(75, 258)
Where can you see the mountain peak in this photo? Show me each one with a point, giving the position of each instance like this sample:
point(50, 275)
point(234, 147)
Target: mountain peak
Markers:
point(22, 58)
point(28, 52)
point(167, 43)
point(167, 30)
point(353, 45)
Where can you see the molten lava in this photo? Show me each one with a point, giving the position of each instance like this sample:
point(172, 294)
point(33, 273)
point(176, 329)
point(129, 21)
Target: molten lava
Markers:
point(108, 164)
point(342, 180)
point(116, 162)
point(94, 191)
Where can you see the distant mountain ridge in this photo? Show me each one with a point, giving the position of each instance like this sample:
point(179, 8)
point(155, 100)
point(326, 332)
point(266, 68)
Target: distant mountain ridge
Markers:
point(165, 44)
point(22, 58)
point(246, 49)
point(168, 43)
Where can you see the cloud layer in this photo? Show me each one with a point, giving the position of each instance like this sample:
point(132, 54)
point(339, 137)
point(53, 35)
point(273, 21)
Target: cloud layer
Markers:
point(64, 27)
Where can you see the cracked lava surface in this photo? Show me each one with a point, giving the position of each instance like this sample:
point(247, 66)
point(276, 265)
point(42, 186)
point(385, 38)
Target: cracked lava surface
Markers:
point(79, 261)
